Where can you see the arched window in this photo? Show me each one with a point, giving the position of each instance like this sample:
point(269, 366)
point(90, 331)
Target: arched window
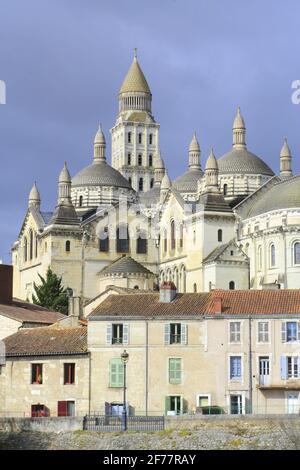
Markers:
point(183, 279)
point(220, 235)
point(141, 243)
point(141, 184)
point(140, 159)
point(129, 137)
point(225, 189)
point(36, 246)
point(151, 183)
point(25, 249)
point(272, 255)
point(140, 138)
point(176, 278)
point(195, 287)
point(150, 139)
point(231, 285)
point(173, 238)
point(30, 244)
point(46, 247)
point(181, 236)
point(104, 240)
point(68, 246)
point(136, 287)
point(259, 258)
point(122, 239)
point(130, 181)
point(165, 241)
point(129, 159)
point(150, 160)
point(297, 253)
point(80, 201)
point(210, 286)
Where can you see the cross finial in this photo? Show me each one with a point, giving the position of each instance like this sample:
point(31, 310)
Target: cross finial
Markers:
point(135, 52)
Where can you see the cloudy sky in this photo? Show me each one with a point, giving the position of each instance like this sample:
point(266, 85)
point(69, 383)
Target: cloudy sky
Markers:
point(63, 62)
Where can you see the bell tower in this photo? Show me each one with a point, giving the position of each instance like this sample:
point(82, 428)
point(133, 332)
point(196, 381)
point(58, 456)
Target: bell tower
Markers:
point(135, 136)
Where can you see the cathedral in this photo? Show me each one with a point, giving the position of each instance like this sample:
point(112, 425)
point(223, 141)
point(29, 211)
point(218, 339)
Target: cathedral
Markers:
point(226, 223)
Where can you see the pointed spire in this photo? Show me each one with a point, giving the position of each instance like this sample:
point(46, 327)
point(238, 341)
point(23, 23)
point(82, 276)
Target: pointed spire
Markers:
point(64, 186)
point(159, 170)
point(99, 146)
point(34, 197)
point(211, 163)
point(166, 182)
point(194, 153)
point(64, 213)
point(239, 130)
point(64, 176)
point(285, 160)
point(211, 172)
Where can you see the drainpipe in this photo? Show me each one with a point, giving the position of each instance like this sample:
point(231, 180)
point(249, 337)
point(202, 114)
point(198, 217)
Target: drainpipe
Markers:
point(90, 385)
point(146, 368)
point(250, 367)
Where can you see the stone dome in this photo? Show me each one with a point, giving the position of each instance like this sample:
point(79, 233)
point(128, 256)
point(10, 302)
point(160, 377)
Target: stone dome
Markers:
point(188, 181)
point(240, 160)
point(100, 174)
point(283, 195)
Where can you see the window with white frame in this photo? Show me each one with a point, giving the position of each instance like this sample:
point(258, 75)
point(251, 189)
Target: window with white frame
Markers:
point(235, 367)
point(235, 331)
point(175, 333)
point(290, 331)
point(290, 367)
point(272, 256)
point(296, 253)
point(117, 333)
point(263, 332)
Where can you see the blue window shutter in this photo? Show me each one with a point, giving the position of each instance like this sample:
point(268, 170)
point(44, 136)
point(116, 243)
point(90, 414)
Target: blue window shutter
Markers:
point(109, 334)
point(283, 366)
point(283, 332)
point(167, 333)
point(125, 333)
point(183, 333)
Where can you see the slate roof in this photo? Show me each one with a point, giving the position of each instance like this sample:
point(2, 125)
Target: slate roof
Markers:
point(47, 341)
point(254, 302)
point(214, 255)
point(26, 312)
point(127, 265)
point(214, 202)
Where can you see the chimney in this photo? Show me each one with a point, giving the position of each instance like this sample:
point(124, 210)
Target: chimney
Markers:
point(74, 309)
point(217, 305)
point(6, 283)
point(167, 292)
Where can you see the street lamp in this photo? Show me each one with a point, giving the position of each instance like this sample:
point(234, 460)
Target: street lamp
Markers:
point(124, 359)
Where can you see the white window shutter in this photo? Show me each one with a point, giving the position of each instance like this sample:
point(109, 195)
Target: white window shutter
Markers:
point(125, 333)
point(167, 333)
point(183, 333)
point(109, 334)
point(283, 367)
point(283, 332)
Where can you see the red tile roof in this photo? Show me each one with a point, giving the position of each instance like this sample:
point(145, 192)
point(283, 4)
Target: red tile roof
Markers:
point(26, 312)
point(253, 302)
point(45, 341)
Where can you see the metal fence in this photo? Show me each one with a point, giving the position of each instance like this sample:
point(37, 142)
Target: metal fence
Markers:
point(104, 423)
